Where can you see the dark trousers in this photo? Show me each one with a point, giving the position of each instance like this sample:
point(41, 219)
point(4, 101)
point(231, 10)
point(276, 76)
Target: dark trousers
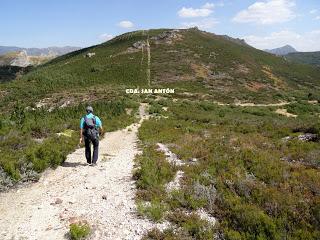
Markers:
point(95, 143)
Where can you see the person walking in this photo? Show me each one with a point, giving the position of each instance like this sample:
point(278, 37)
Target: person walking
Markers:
point(90, 129)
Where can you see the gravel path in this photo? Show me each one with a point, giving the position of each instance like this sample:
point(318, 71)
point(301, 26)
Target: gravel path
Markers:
point(101, 195)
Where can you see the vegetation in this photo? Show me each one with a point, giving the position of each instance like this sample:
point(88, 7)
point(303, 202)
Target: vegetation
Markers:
point(8, 73)
point(258, 183)
point(253, 172)
point(227, 71)
point(79, 231)
point(155, 211)
point(194, 61)
point(312, 58)
point(36, 139)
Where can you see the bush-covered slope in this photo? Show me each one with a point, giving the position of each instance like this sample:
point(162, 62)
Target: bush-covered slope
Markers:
point(312, 58)
point(189, 60)
point(246, 166)
point(251, 170)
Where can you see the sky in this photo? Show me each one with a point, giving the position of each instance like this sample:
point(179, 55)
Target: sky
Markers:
point(264, 24)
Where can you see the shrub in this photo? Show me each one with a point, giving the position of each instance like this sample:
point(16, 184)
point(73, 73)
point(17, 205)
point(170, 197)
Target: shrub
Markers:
point(197, 228)
point(154, 211)
point(155, 171)
point(79, 231)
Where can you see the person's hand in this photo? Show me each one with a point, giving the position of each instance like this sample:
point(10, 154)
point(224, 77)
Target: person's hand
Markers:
point(81, 140)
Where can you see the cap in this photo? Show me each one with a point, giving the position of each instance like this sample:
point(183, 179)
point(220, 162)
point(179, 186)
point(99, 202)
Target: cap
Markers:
point(89, 109)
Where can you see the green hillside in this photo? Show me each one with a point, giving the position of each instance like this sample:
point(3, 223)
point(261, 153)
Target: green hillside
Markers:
point(252, 167)
point(312, 58)
point(8, 73)
point(190, 60)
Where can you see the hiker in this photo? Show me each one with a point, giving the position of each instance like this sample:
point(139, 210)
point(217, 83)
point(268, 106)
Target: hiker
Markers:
point(90, 128)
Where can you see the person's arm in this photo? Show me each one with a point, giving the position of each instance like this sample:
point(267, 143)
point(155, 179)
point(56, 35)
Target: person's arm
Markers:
point(81, 135)
point(99, 123)
point(81, 130)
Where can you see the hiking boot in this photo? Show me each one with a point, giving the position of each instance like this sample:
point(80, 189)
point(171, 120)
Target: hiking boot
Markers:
point(93, 164)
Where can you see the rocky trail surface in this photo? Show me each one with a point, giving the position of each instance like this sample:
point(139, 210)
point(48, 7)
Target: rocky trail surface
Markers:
point(102, 195)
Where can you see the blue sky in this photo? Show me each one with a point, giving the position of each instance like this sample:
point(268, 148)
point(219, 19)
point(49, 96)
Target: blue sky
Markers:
point(262, 23)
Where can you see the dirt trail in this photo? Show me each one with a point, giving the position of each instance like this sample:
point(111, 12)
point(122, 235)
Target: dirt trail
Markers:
point(75, 191)
point(239, 104)
point(149, 62)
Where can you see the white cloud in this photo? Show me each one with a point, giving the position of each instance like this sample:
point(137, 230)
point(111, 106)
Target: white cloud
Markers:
point(302, 42)
point(206, 23)
point(317, 17)
point(208, 5)
point(313, 11)
point(126, 24)
point(106, 36)
point(194, 12)
point(220, 4)
point(267, 12)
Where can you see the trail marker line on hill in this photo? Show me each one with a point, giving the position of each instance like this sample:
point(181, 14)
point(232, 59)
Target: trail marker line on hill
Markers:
point(149, 62)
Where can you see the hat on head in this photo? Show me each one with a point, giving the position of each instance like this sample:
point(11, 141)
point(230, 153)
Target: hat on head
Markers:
point(89, 109)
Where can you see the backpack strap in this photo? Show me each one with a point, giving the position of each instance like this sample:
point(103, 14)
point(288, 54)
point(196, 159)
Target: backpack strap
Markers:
point(84, 121)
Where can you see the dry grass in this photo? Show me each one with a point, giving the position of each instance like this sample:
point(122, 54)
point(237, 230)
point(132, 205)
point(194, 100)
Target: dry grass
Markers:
point(278, 82)
point(284, 112)
point(255, 86)
point(200, 71)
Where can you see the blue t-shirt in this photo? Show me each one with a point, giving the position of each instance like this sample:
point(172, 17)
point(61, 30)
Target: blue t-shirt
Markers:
point(90, 115)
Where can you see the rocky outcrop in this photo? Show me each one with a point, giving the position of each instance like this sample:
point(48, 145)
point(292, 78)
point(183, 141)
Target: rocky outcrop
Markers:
point(90, 54)
point(309, 137)
point(139, 44)
point(22, 60)
point(167, 37)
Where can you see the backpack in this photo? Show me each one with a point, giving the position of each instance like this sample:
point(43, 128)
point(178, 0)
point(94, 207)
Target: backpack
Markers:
point(90, 130)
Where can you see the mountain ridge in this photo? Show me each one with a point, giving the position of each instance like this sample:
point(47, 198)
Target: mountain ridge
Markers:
point(23, 57)
point(282, 50)
point(180, 58)
point(39, 51)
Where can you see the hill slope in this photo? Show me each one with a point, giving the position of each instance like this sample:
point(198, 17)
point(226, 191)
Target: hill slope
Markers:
point(312, 58)
point(190, 60)
point(206, 158)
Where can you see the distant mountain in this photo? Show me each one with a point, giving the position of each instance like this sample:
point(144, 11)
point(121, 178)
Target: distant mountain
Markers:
point(54, 51)
point(8, 49)
point(282, 50)
point(312, 58)
point(22, 57)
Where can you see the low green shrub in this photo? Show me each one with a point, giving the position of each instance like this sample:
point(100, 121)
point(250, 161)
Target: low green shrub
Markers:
point(197, 228)
point(258, 183)
point(154, 211)
point(154, 172)
point(79, 231)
